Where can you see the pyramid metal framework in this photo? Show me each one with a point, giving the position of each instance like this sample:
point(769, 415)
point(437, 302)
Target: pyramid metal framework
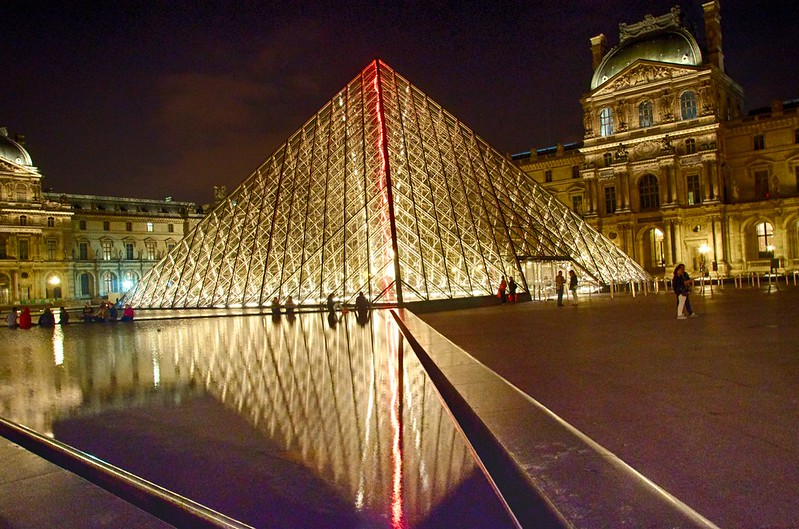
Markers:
point(381, 192)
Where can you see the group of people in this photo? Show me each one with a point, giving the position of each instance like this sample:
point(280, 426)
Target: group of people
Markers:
point(682, 284)
point(560, 283)
point(507, 290)
point(106, 312)
point(289, 307)
point(24, 318)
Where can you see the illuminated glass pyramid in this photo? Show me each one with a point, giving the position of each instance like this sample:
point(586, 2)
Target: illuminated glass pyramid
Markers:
point(382, 191)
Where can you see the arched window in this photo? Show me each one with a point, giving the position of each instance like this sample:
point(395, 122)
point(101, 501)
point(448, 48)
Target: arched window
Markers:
point(109, 282)
point(606, 122)
point(648, 192)
point(645, 114)
point(129, 281)
point(688, 105)
point(765, 240)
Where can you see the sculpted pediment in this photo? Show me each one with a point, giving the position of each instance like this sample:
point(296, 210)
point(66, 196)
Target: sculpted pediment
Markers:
point(10, 168)
point(642, 72)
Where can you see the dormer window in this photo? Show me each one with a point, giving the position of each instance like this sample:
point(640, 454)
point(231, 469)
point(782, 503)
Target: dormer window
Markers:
point(688, 105)
point(606, 122)
point(645, 114)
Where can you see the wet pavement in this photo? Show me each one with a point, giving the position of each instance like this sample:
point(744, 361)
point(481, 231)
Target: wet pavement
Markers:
point(707, 408)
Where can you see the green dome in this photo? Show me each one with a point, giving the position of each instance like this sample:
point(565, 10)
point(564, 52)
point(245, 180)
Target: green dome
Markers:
point(672, 46)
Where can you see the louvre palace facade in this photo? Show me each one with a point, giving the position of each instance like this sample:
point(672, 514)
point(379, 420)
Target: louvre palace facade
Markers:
point(670, 168)
point(69, 248)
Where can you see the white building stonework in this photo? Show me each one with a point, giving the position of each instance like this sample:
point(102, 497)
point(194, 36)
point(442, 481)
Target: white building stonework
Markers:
point(669, 168)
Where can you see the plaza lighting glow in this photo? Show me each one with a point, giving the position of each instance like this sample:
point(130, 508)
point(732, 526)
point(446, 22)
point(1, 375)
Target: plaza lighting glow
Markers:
point(704, 248)
point(55, 280)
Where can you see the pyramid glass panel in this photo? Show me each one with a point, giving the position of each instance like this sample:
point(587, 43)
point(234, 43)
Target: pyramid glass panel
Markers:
point(381, 192)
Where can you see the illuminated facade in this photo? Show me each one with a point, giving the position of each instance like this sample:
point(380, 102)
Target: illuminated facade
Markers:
point(669, 168)
point(67, 248)
point(382, 191)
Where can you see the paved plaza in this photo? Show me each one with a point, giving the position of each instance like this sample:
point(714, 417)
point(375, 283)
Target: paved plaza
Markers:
point(704, 407)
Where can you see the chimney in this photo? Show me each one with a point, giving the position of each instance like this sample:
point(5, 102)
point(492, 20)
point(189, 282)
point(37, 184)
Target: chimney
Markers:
point(599, 47)
point(713, 33)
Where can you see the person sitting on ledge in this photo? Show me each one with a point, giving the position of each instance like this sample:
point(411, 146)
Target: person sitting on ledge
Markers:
point(87, 313)
point(63, 316)
point(47, 319)
point(127, 313)
point(290, 306)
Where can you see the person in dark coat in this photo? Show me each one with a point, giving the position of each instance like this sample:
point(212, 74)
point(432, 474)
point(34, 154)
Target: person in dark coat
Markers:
point(511, 290)
point(63, 316)
point(47, 319)
point(681, 283)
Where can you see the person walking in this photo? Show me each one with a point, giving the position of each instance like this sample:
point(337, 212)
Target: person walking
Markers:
point(681, 283)
point(573, 286)
point(502, 286)
point(560, 282)
point(512, 290)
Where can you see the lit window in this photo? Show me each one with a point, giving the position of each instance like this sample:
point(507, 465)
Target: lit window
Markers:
point(688, 105)
point(605, 122)
point(548, 175)
point(149, 226)
point(690, 146)
point(658, 255)
point(759, 142)
point(645, 114)
point(694, 192)
point(109, 282)
point(765, 236)
point(107, 249)
point(150, 250)
point(649, 192)
point(610, 200)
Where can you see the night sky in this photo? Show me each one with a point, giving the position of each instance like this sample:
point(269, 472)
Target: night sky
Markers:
point(169, 98)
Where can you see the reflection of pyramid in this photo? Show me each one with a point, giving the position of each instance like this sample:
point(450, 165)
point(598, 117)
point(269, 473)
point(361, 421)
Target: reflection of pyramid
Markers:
point(384, 192)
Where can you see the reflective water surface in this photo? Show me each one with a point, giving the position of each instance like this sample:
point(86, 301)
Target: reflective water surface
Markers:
point(305, 422)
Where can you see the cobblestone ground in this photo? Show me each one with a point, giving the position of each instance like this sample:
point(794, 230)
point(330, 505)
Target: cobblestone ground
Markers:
point(707, 408)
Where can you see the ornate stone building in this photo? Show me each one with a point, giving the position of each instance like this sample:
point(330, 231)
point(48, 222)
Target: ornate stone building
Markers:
point(669, 168)
point(69, 248)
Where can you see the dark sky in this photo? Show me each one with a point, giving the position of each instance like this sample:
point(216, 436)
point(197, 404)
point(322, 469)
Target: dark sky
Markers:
point(168, 98)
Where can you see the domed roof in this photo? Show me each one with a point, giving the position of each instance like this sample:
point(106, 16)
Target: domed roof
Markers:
point(673, 46)
point(12, 151)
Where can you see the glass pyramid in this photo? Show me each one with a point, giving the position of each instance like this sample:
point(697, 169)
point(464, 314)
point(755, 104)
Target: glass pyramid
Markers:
point(384, 192)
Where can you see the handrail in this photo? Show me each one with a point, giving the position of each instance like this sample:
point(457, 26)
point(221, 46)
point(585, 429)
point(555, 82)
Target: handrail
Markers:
point(172, 508)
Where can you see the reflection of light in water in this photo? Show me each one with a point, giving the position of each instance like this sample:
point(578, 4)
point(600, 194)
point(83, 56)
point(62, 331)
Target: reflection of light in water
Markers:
point(396, 423)
point(156, 369)
point(58, 345)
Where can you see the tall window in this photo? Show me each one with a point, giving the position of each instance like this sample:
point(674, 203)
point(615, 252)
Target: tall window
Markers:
point(170, 228)
point(759, 142)
point(129, 251)
point(83, 251)
point(658, 255)
point(109, 282)
point(106, 225)
point(690, 146)
point(82, 225)
point(648, 192)
point(610, 200)
point(23, 220)
point(24, 249)
point(107, 249)
point(605, 122)
point(688, 105)
point(50, 222)
point(761, 184)
point(50, 247)
point(128, 226)
point(577, 204)
point(149, 226)
point(85, 284)
point(645, 114)
point(150, 250)
point(765, 238)
point(575, 171)
point(608, 159)
point(547, 176)
point(694, 192)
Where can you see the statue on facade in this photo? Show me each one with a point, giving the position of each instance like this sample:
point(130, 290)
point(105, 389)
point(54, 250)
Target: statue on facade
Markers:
point(220, 192)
